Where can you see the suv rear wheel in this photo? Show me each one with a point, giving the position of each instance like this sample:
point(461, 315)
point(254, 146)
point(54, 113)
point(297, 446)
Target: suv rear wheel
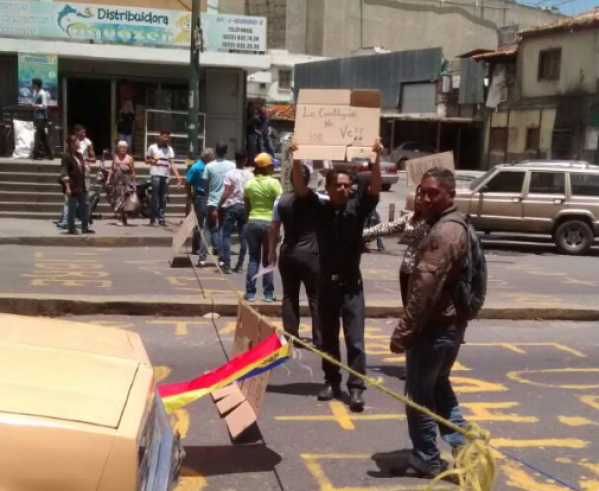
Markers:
point(573, 237)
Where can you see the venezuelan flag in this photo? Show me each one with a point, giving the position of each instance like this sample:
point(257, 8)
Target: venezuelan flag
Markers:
point(268, 354)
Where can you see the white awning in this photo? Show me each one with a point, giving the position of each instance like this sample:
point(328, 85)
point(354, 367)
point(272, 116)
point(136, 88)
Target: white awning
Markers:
point(134, 54)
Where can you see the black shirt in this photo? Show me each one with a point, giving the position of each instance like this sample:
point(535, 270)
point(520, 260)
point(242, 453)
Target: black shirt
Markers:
point(300, 232)
point(339, 234)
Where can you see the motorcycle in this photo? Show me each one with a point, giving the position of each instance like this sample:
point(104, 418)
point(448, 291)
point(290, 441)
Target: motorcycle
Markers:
point(144, 194)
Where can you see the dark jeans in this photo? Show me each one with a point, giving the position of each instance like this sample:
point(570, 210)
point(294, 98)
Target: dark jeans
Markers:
point(234, 216)
point(159, 192)
point(266, 145)
point(429, 361)
point(214, 226)
point(78, 206)
point(41, 139)
point(257, 236)
point(297, 268)
point(342, 300)
point(198, 246)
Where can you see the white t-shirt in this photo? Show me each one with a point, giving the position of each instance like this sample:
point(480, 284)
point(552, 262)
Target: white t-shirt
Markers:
point(164, 155)
point(84, 147)
point(237, 178)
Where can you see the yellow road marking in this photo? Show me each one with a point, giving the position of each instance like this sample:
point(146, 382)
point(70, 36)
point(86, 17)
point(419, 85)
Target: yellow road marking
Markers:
point(181, 327)
point(519, 376)
point(517, 347)
point(191, 480)
point(465, 385)
point(179, 420)
point(161, 372)
point(484, 411)
point(344, 418)
point(592, 401)
point(315, 468)
point(548, 442)
point(576, 421)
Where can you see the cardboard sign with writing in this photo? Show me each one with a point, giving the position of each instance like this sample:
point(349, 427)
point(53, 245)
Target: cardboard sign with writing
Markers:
point(417, 167)
point(337, 124)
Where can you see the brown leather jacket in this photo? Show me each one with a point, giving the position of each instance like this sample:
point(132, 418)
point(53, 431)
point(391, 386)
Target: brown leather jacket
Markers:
point(432, 284)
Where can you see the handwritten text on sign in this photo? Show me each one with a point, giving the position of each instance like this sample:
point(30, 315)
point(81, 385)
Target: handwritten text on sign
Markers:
point(336, 125)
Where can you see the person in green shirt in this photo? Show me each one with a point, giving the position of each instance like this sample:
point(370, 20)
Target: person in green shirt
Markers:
point(260, 194)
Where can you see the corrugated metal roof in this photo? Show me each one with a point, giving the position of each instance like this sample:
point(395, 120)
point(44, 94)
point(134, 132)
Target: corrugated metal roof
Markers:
point(506, 51)
point(590, 18)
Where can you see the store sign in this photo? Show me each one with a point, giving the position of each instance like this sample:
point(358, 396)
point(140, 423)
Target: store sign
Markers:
point(234, 33)
point(128, 25)
point(44, 67)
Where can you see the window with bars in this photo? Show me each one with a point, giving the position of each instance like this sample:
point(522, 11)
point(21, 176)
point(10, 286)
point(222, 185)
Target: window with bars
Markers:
point(550, 61)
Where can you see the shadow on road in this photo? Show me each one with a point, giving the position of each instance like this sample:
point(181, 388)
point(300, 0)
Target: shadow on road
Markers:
point(230, 459)
point(296, 389)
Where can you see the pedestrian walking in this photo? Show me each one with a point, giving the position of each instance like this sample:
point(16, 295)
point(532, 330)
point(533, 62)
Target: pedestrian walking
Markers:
point(253, 134)
point(259, 195)
point(413, 229)
point(126, 122)
point(41, 118)
point(214, 182)
point(121, 178)
point(232, 207)
point(434, 321)
point(195, 179)
point(74, 172)
point(339, 225)
point(160, 157)
point(298, 258)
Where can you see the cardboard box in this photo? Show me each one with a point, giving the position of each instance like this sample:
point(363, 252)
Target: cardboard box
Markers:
point(417, 167)
point(337, 124)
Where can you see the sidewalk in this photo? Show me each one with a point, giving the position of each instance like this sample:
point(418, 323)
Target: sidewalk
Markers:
point(18, 231)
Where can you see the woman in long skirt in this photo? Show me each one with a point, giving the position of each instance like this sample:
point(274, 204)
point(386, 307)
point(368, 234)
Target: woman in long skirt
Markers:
point(122, 180)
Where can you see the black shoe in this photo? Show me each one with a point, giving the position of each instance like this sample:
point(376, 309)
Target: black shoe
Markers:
point(225, 269)
point(237, 269)
point(426, 469)
point(356, 401)
point(162, 223)
point(329, 392)
point(88, 231)
point(73, 232)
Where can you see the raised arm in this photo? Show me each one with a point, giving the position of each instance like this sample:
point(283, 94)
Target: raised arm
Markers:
point(396, 227)
point(297, 175)
point(376, 181)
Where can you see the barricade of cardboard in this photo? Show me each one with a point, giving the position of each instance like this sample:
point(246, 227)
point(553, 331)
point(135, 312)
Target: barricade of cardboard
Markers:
point(417, 167)
point(179, 239)
point(240, 404)
point(337, 124)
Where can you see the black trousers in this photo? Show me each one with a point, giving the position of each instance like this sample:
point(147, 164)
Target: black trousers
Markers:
point(339, 300)
point(297, 268)
point(41, 139)
point(404, 283)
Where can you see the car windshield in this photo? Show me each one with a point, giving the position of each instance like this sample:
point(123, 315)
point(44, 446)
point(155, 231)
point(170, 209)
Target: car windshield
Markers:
point(479, 180)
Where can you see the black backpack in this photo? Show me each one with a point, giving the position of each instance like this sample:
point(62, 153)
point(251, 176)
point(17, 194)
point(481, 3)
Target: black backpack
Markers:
point(472, 285)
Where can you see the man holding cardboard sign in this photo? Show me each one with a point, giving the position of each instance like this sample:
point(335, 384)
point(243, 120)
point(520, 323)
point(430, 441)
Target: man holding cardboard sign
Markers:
point(339, 223)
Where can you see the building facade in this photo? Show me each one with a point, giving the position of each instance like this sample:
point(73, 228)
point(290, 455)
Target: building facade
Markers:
point(340, 28)
point(546, 101)
point(132, 55)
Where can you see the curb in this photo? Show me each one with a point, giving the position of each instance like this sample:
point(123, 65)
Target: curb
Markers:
point(88, 241)
point(54, 306)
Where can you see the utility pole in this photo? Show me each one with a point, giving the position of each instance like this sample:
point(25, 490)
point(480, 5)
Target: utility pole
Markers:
point(194, 79)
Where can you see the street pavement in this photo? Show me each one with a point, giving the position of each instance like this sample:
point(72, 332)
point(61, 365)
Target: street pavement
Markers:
point(124, 275)
point(533, 385)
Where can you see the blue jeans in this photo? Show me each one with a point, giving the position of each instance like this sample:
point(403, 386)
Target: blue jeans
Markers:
point(234, 215)
point(214, 226)
point(429, 361)
point(198, 246)
point(159, 192)
point(78, 206)
point(257, 237)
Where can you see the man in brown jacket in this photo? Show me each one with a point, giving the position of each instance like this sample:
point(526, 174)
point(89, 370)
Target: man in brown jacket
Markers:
point(432, 330)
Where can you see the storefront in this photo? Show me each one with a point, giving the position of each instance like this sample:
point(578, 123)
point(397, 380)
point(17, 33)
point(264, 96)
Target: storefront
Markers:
point(122, 88)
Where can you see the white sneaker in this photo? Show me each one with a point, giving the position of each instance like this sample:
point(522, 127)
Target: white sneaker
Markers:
point(201, 264)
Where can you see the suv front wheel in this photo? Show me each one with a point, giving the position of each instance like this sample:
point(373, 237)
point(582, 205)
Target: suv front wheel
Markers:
point(573, 237)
